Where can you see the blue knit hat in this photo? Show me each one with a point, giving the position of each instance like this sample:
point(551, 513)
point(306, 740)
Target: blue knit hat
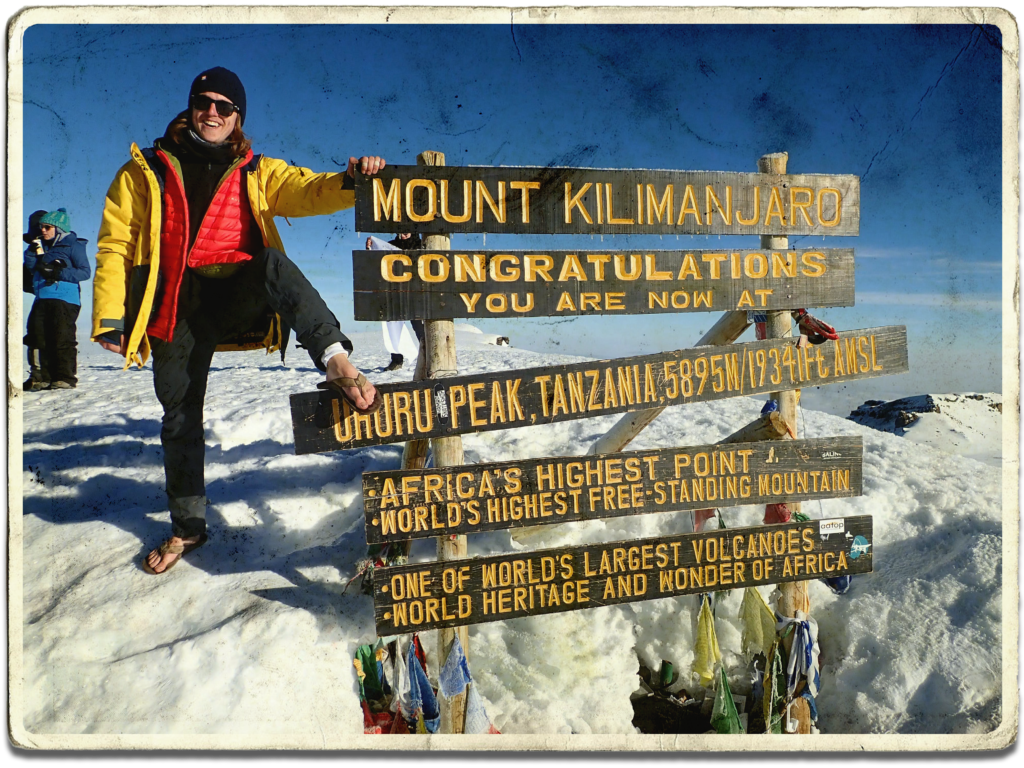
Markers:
point(58, 219)
point(222, 81)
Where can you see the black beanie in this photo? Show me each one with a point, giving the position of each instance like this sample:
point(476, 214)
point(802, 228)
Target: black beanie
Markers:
point(224, 82)
point(33, 226)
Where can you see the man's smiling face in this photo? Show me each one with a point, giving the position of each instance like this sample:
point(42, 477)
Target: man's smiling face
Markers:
point(209, 124)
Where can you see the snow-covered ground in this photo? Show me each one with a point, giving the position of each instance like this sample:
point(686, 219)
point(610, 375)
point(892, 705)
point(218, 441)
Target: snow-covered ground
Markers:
point(969, 424)
point(254, 633)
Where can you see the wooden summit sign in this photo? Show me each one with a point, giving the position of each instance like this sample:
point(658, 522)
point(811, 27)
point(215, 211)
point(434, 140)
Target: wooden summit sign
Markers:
point(412, 504)
point(417, 410)
point(452, 199)
point(399, 285)
point(423, 596)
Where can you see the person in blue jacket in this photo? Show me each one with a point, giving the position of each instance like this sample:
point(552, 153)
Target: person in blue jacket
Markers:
point(57, 263)
point(29, 237)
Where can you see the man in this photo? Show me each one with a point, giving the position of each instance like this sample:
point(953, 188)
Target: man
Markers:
point(56, 263)
point(190, 261)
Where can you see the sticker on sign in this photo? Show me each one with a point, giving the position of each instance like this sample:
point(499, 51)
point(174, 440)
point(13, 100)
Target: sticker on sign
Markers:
point(440, 403)
point(826, 527)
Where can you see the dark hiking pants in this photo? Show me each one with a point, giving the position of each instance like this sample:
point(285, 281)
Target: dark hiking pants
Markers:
point(208, 310)
point(52, 347)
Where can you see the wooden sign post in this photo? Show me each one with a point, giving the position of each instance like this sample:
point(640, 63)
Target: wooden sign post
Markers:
point(441, 361)
point(779, 325)
point(450, 500)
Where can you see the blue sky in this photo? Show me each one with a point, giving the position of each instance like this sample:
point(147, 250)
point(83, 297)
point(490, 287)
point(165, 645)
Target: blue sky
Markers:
point(915, 111)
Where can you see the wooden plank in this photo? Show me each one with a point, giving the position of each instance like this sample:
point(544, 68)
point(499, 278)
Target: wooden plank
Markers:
point(423, 596)
point(488, 401)
point(396, 285)
point(404, 504)
point(409, 198)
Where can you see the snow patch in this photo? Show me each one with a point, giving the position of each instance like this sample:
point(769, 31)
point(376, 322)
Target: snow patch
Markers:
point(256, 630)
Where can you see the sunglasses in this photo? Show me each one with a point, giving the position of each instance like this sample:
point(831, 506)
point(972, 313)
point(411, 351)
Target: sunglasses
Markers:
point(224, 108)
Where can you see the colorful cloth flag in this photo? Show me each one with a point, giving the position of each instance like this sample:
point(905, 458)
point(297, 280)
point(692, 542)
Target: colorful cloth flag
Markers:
point(421, 695)
point(724, 717)
point(421, 655)
point(758, 622)
point(376, 723)
point(706, 653)
point(384, 664)
point(477, 720)
point(776, 513)
point(803, 655)
point(365, 663)
point(840, 585)
point(401, 701)
point(700, 517)
point(454, 675)
point(774, 699)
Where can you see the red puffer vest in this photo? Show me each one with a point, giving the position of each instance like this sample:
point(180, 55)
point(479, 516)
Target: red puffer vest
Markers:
point(226, 236)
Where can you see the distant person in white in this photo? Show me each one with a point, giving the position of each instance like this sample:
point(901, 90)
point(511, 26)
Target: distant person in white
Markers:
point(397, 338)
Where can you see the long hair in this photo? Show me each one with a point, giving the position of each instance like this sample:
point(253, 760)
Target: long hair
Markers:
point(240, 143)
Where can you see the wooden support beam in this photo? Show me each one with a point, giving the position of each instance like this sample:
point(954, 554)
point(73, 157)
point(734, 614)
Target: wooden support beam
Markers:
point(414, 455)
point(439, 361)
point(780, 324)
point(730, 326)
point(768, 426)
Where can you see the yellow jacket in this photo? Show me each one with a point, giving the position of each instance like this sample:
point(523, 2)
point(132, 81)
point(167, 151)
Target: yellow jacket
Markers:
point(130, 232)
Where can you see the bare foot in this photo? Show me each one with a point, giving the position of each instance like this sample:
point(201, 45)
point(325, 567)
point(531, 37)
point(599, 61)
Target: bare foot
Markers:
point(160, 563)
point(339, 366)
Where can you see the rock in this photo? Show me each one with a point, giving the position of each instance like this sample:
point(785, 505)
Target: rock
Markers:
point(896, 415)
point(906, 418)
point(968, 424)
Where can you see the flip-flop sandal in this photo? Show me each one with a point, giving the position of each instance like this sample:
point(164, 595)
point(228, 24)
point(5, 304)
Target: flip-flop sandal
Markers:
point(359, 381)
point(175, 549)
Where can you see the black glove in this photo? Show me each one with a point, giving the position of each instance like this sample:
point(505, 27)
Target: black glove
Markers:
point(114, 337)
point(51, 270)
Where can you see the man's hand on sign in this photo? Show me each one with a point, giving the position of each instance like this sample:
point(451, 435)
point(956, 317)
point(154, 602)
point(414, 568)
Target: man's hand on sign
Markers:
point(367, 165)
point(104, 342)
